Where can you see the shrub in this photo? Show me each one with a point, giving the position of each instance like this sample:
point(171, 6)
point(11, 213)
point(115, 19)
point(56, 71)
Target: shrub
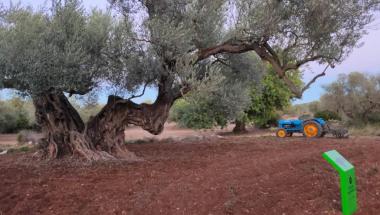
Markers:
point(368, 130)
point(22, 121)
point(374, 118)
point(327, 115)
point(8, 121)
point(28, 136)
point(266, 120)
point(15, 115)
point(197, 116)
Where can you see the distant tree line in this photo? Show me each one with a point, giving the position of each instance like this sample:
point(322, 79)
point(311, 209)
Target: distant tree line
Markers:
point(353, 98)
point(17, 113)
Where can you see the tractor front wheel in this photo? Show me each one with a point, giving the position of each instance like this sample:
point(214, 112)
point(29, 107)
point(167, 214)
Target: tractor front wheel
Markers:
point(312, 129)
point(281, 133)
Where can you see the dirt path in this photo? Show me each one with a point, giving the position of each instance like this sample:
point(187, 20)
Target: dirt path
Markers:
point(231, 175)
point(8, 140)
point(172, 131)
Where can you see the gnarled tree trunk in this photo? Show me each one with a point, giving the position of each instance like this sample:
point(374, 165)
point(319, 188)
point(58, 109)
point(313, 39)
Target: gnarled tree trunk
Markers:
point(102, 138)
point(59, 122)
point(63, 129)
point(106, 129)
point(239, 127)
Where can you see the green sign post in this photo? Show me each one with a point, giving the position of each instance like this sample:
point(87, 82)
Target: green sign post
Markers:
point(347, 180)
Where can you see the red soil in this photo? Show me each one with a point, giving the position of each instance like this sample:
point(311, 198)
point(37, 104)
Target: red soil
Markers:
point(230, 175)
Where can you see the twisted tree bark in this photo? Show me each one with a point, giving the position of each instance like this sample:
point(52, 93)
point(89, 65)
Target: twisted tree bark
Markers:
point(102, 138)
point(58, 121)
point(106, 129)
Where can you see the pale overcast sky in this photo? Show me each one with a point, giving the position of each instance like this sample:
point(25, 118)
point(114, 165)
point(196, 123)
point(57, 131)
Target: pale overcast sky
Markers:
point(363, 59)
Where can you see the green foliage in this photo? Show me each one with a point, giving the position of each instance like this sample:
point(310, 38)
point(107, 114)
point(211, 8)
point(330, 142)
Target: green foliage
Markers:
point(374, 117)
point(196, 116)
point(244, 99)
point(324, 27)
point(19, 149)
point(356, 97)
point(268, 97)
point(222, 100)
point(327, 115)
point(64, 49)
point(178, 110)
point(85, 109)
point(7, 121)
point(15, 115)
point(22, 120)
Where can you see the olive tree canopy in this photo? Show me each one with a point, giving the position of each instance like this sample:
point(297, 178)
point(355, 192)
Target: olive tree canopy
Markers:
point(323, 31)
point(39, 52)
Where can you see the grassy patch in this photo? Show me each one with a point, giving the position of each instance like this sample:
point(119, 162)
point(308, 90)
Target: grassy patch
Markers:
point(153, 140)
point(20, 149)
point(140, 141)
point(368, 130)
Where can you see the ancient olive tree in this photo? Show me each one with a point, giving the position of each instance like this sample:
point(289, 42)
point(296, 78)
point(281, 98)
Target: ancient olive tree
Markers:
point(46, 55)
point(170, 46)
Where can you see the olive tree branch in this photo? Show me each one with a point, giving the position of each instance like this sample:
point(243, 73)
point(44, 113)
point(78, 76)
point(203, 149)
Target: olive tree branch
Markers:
point(142, 93)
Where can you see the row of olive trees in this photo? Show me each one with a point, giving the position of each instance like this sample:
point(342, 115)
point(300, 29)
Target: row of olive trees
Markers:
point(354, 97)
point(172, 45)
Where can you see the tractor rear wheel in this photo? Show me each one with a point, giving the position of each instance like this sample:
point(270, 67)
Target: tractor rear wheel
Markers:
point(312, 129)
point(281, 133)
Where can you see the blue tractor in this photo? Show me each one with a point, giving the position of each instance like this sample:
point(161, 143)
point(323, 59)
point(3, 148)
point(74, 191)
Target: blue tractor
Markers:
point(312, 127)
